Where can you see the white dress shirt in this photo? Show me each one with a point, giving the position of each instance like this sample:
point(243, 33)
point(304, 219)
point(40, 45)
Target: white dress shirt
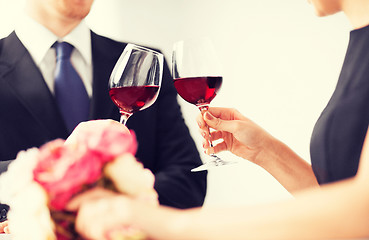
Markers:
point(38, 40)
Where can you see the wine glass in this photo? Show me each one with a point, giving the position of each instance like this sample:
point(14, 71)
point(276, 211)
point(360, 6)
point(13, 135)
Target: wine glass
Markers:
point(198, 78)
point(135, 80)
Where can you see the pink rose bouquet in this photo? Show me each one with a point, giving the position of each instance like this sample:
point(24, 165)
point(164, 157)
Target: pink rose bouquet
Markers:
point(40, 183)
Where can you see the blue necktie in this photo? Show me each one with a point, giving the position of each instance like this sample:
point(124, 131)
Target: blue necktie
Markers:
point(70, 93)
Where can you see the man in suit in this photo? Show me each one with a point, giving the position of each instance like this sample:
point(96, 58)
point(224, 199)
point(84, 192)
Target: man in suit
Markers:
point(30, 115)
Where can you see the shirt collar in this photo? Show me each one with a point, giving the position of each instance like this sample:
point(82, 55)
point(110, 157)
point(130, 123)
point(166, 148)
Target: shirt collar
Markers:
point(38, 44)
point(80, 38)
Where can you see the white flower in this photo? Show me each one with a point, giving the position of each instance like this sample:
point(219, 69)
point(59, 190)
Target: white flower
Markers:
point(18, 176)
point(29, 215)
point(130, 177)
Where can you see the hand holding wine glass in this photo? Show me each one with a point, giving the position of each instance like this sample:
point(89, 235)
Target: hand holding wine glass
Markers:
point(135, 80)
point(197, 78)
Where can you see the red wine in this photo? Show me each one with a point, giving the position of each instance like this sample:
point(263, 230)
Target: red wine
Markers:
point(134, 98)
point(198, 90)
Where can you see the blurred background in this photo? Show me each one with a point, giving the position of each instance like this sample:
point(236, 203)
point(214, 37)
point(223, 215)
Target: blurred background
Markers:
point(280, 64)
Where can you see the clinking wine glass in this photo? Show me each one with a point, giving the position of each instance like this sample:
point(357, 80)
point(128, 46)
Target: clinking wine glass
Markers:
point(135, 80)
point(198, 78)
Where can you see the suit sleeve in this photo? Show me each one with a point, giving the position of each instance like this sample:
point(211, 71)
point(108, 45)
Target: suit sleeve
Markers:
point(4, 166)
point(3, 207)
point(175, 183)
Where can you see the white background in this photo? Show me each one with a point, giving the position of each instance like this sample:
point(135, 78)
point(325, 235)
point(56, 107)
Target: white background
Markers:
point(280, 63)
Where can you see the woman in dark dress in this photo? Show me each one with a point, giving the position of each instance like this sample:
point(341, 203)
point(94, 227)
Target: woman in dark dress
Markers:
point(335, 200)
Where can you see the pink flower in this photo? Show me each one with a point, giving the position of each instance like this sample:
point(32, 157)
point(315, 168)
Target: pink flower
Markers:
point(63, 170)
point(98, 153)
point(107, 138)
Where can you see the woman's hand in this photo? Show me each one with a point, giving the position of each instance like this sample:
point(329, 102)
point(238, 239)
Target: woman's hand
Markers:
point(239, 134)
point(246, 139)
point(103, 218)
point(4, 227)
point(101, 213)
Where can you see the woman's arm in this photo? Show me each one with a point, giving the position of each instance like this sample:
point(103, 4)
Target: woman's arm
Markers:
point(288, 168)
point(246, 139)
point(339, 210)
point(335, 211)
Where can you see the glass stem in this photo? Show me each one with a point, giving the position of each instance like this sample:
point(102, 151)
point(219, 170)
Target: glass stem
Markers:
point(203, 109)
point(124, 117)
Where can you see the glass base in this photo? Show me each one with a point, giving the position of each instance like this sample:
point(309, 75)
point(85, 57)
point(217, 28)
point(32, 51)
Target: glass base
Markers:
point(214, 162)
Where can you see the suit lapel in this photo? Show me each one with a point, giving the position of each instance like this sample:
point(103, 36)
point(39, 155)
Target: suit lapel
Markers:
point(105, 53)
point(26, 82)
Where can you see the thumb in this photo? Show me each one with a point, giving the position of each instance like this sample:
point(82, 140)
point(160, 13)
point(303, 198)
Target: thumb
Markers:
point(216, 123)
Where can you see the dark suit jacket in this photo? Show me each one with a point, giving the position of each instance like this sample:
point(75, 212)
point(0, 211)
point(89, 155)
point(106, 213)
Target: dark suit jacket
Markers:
point(29, 117)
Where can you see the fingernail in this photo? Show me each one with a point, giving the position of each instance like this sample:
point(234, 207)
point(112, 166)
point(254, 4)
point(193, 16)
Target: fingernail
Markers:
point(203, 134)
point(200, 125)
point(208, 116)
point(209, 151)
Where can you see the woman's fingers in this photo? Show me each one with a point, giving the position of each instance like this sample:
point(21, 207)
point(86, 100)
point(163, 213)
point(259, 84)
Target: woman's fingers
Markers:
point(84, 225)
point(216, 135)
point(216, 148)
point(203, 127)
point(219, 124)
point(97, 218)
point(219, 147)
point(93, 194)
point(3, 226)
point(200, 122)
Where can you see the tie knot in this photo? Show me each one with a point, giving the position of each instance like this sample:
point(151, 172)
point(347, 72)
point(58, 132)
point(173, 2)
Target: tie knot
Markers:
point(63, 50)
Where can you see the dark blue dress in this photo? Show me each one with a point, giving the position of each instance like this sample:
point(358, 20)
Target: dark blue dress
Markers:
point(339, 133)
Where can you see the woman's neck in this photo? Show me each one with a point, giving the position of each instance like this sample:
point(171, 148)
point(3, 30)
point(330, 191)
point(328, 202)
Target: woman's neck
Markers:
point(357, 11)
